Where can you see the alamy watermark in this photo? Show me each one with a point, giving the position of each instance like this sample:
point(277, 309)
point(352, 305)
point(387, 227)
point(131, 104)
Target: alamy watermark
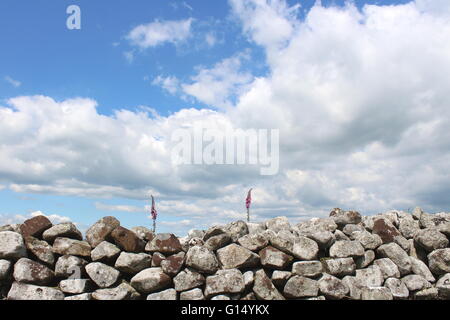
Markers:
point(200, 146)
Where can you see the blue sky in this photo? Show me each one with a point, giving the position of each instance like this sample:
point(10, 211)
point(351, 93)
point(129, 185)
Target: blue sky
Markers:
point(241, 54)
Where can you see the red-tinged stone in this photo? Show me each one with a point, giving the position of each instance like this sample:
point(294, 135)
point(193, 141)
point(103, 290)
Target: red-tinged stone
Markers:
point(35, 226)
point(165, 243)
point(173, 264)
point(127, 240)
point(386, 231)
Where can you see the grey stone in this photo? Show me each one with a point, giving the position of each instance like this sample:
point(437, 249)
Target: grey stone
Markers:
point(29, 271)
point(193, 294)
point(75, 286)
point(420, 268)
point(398, 289)
point(194, 233)
point(63, 230)
point(105, 252)
point(80, 297)
point(365, 260)
point(173, 264)
point(385, 229)
point(68, 246)
point(132, 263)
point(157, 259)
point(23, 291)
point(300, 287)
point(394, 252)
point(409, 228)
point(274, 258)
point(370, 277)
point(101, 230)
point(253, 242)
point(350, 229)
point(236, 230)
point(417, 213)
point(235, 256)
point(307, 268)
point(264, 289)
point(439, 261)
point(151, 280)
point(216, 242)
point(12, 245)
point(332, 288)
point(70, 266)
point(402, 242)
point(388, 268)
point(202, 259)
point(443, 286)
point(316, 225)
point(339, 267)
point(118, 293)
point(255, 228)
point(249, 279)
point(278, 224)
point(40, 249)
point(345, 249)
point(143, 233)
point(279, 278)
point(188, 279)
point(323, 238)
point(415, 282)
point(340, 236)
point(168, 294)
point(224, 281)
point(221, 297)
point(426, 294)
point(5, 269)
point(431, 239)
point(355, 287)
point(165, 243)
point(342, 217)
point(104, 276)
point(368, 241)
point(376, 293)
point(305, 248)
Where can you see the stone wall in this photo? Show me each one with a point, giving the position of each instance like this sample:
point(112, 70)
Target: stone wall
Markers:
point(395, 255)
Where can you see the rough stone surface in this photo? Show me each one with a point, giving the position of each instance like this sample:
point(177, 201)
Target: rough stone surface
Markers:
point(307, 268)
point(62, 230)
point(173, 264)
point(385, 229)
point(305, 248)
point(394, 252)
point(12, 245)
point(29, 271)
point(343, 218)
point(105, 252)
point(80, 297)
point(151, 280)
point(168, 294)
point(388, 268)
point(40, 249)
point(202, 259)
point(431, 239)
point(68, 246)
point(376, 293)
point(75, 286)
point(225, 281)
point(279, 278)
point(132, 263)
point(370, 277)
point(398, 289)
point(35, 226)
point(104, 276)
point(415, 282)
point(365, 260)
point(194, 294)
point(332, 287)
point(339, 267)
point(70, 266)
point(368, 240)
point(143, 233)
point(22, 291)
point(420, 268)
point(300, 287)
point(253, 242)
point(235, 256)
point(439, 261)
point(216, 242)
point(278, 224)
point(101, 230)
point(5, 269)
point(127, 240)
point(344, 249)
point(166, 243)
point(274, 259)
point(264, 289)
point(443, 286)
point(188, 279)
point(236, 230)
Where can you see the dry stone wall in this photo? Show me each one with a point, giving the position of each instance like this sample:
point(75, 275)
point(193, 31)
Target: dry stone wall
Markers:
point(390, 256)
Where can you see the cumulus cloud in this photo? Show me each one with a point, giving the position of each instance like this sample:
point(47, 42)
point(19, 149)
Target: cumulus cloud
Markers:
point(159, 32)
point(360, 98)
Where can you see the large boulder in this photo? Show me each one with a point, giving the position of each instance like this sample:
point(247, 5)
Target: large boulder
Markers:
point(332, 287)
point(439, 261)
point(165, 243)
point(150, 280)
point(274, 259)
point(415, 282)
point(40, 249)
point(22, 291)
point(202, 259)
point(431, 239)
point(143, 233)
point(264, 289)
point(127, 240)
point(75, 286)
point(385, 229)
point(68, 246)
point(29, 271)
point(70, 266)
point(132, 263)
point(443, 286)
point(342, 217)
point(368, 240)
point(216, 242)
point(5, 269)
point(394, 252)
point(301, 287)
point(305, 248)
point(166, 295)
point(101, 230)
point(370, 277)
point(408, 228)
point(235, 256)
point(35, 226)
point(236, 230)
point(307, 268)
point(228, 281)
point(193, 294)
point(104, 276)
point(388, 268)
point(62, 230)
point(12, 245)
point(420, 268)
point(188, 279)
point(278, 224)
point(339, 267)
point(398, 289)
point(173, 264)
point(253, 242)
point(376, 293)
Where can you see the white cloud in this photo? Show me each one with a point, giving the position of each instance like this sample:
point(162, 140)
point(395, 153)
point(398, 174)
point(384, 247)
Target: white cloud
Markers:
point(360, 99)
point(11, 81)
point(171, 84)
point(159, 32)
point(20, 218)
